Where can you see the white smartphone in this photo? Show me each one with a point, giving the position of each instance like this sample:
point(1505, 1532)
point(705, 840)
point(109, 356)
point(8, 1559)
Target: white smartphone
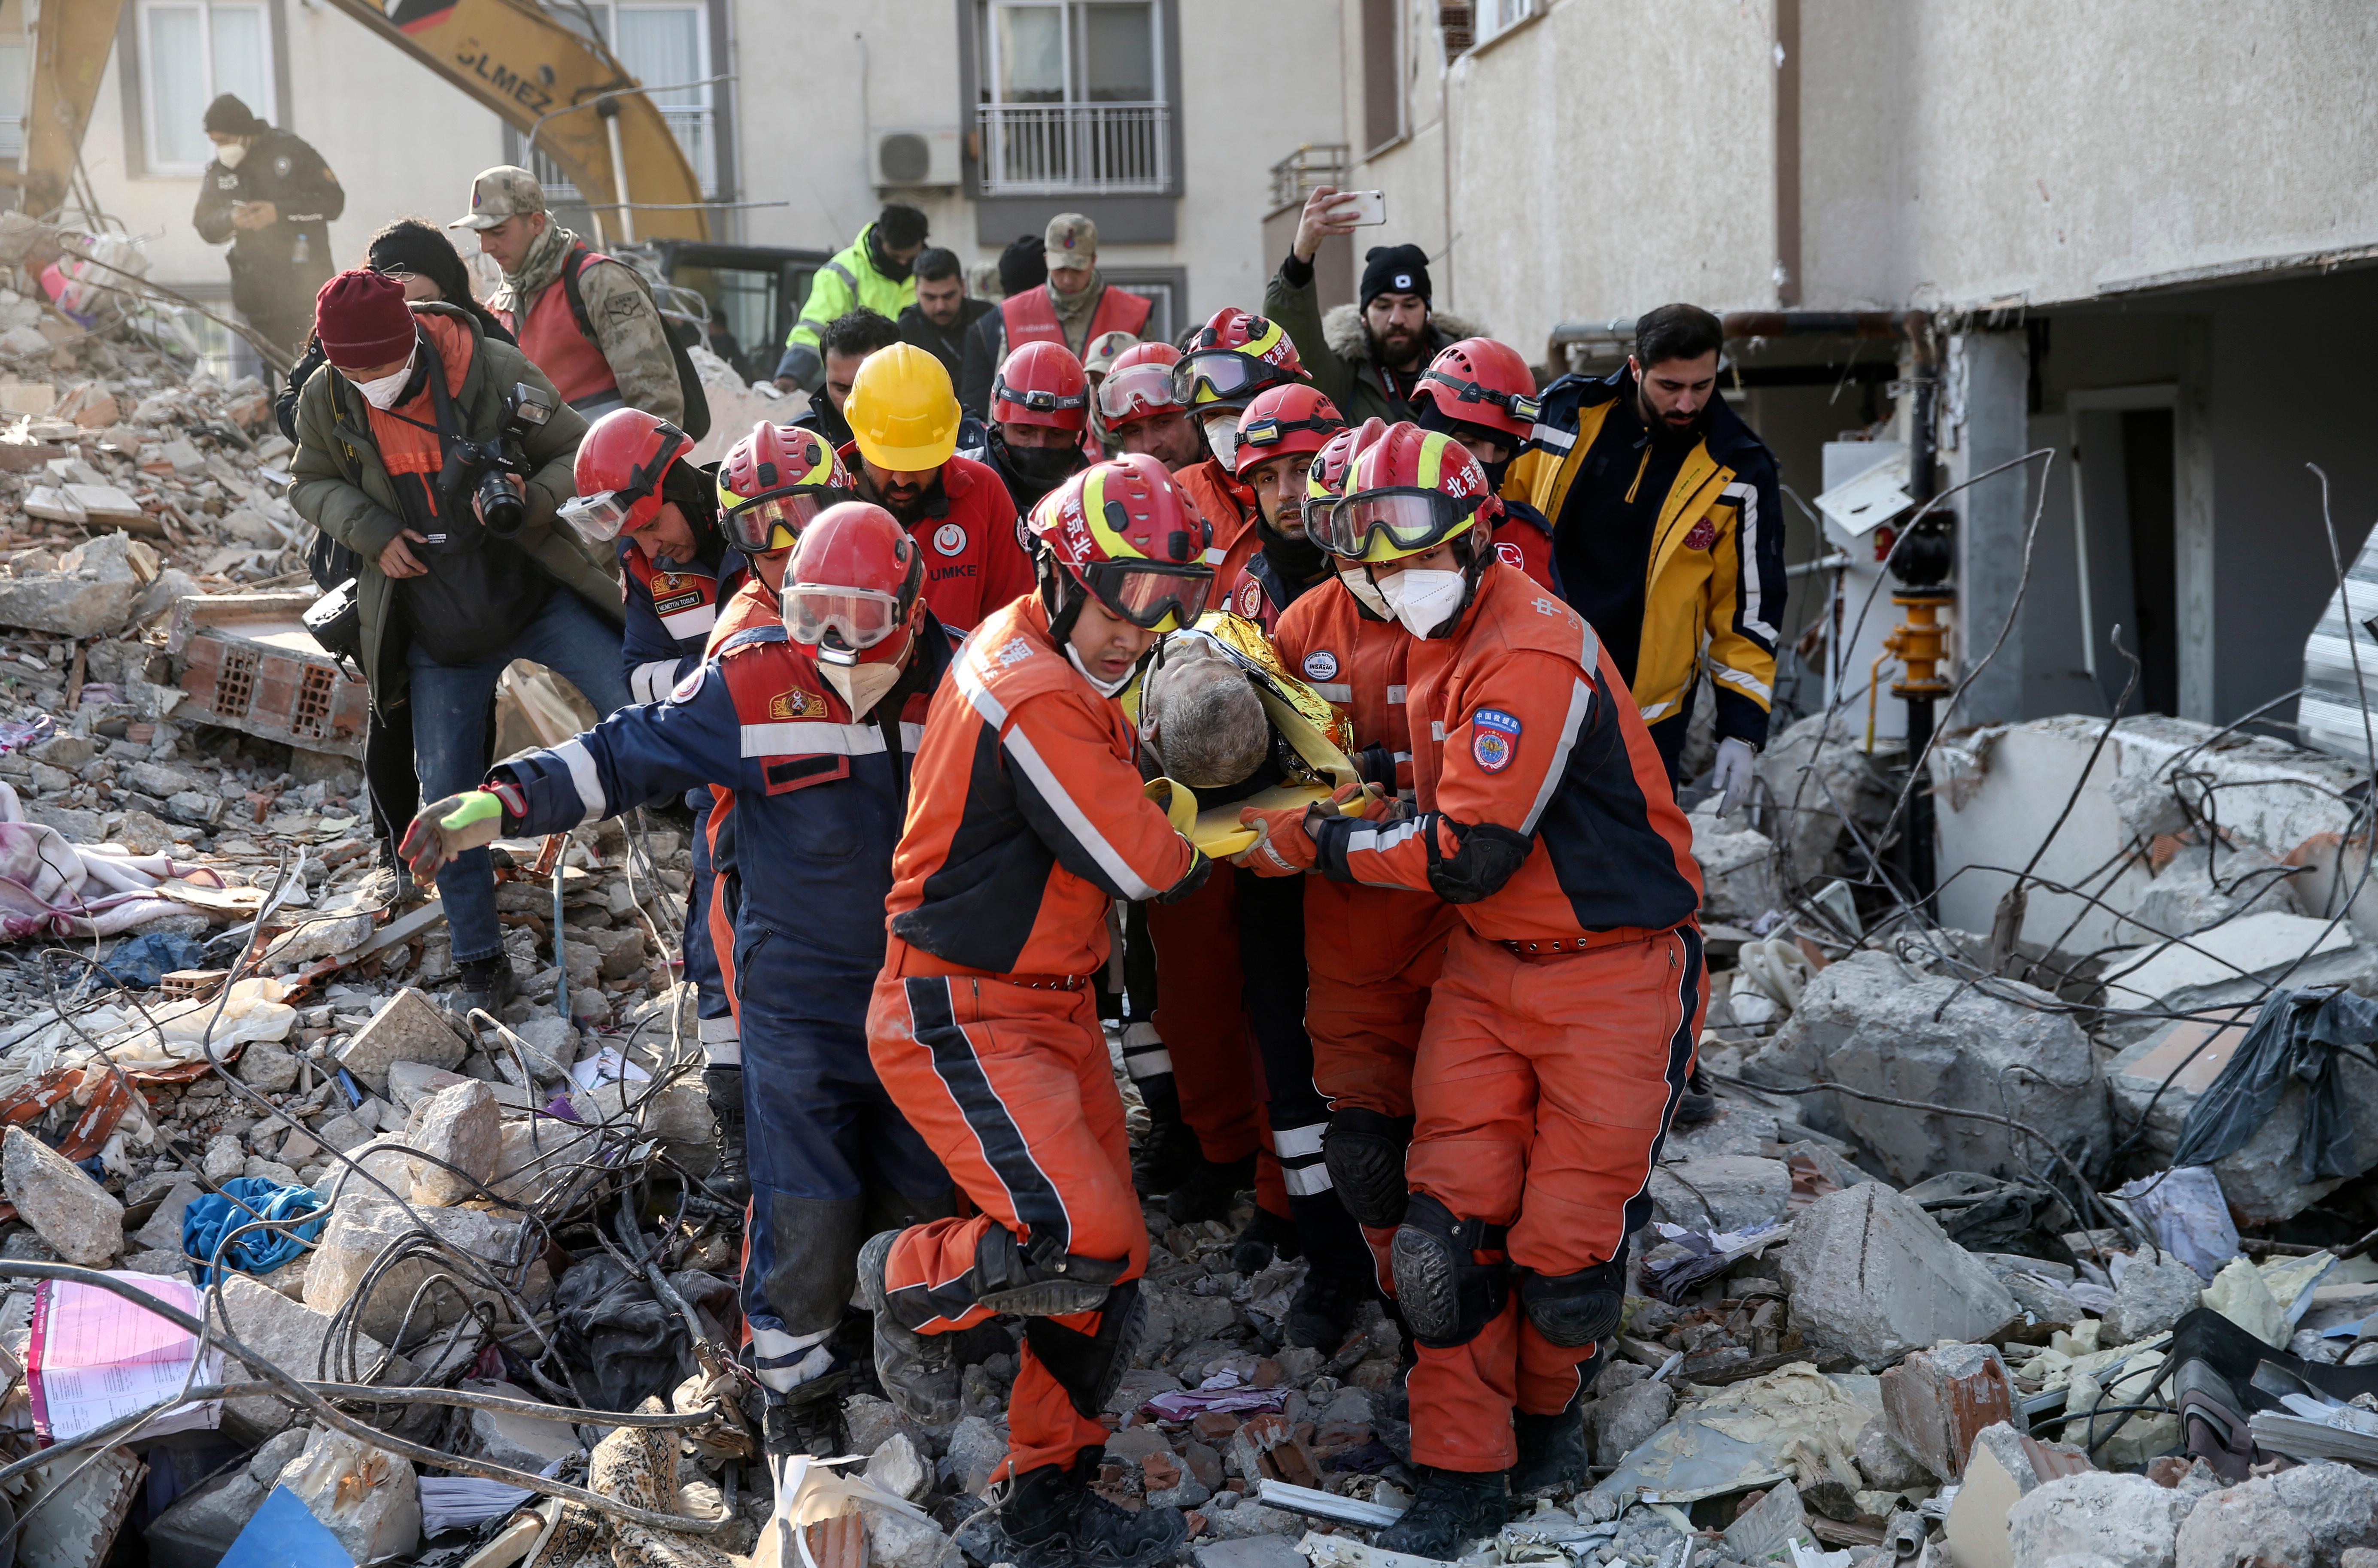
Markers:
point(1368, 207)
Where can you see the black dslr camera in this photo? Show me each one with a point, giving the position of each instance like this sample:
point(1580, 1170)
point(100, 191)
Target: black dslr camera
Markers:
point(481, 466)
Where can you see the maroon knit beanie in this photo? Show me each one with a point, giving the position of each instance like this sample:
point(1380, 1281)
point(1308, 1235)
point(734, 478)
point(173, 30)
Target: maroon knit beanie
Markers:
point(362, 319)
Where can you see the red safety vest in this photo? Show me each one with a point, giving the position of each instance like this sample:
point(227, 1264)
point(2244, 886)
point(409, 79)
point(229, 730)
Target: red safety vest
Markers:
point(1031, 316)
point(554, 344)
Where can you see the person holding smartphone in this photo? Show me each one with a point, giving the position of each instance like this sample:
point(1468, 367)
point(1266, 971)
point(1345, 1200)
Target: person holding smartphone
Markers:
point(1366, 357)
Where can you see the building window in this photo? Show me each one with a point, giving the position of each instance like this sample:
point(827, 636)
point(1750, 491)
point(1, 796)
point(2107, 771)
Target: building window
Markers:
point(1489, 17)
point(662, 43)
point(1382, 88)
point(1071, 100)
point(12, 99)
point(192, 52)
point(1164, 288)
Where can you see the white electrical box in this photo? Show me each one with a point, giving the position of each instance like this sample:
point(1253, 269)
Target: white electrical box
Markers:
point(1860, 479)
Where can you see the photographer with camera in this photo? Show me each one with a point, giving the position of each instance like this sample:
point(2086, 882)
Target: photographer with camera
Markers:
point(440, 457)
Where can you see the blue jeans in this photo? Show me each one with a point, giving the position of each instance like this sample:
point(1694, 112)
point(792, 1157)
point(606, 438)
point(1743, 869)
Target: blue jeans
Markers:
point(450, 729)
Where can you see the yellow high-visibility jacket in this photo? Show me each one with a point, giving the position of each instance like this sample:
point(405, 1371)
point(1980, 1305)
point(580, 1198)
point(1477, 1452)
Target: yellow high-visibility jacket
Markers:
point(1716, 582)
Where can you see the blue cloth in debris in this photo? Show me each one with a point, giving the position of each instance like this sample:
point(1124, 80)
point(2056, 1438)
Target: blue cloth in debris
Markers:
point(207, 1218)
point(144, 961)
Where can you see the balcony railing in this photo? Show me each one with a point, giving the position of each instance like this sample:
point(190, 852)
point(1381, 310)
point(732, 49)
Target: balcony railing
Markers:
point(1070, 148)
point(1312, 165)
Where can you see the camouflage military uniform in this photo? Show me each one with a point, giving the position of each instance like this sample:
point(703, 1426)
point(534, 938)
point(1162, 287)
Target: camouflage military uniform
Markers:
point(619, 306)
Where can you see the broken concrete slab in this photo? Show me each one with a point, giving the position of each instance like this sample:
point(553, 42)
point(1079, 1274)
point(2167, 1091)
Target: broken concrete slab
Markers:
point(1874, 1023)
point(91, 593)
point(461, 1125)
point(1936, 1401)
point(2156, 1291)
point(2003, 1467)
point(898, 1468)
point(87, 1497)
point(2233, 964)
point(1770, 1527)
point(361, 1229)
point(2309, 1514)
point(2122, 1519)
point(408, 1027)
point(1872, 1275)
point(524, 1443)
point(366, 1496)
point(1721, 1192)
point(1737, 867)
point(266, 1067)
point(290, 1336)
point(1620, 1422)
point(163, 1226)
point(83, 1220)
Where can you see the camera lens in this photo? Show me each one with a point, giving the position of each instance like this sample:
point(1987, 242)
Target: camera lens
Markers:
point(499, 506)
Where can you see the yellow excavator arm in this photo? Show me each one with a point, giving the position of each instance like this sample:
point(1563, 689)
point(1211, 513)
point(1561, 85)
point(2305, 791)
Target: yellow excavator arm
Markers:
point(568, 91)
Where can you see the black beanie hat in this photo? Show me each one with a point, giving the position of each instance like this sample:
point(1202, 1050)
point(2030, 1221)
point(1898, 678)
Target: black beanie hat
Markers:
point(227, 115)
point(1395, 270)
point(412, 244)
point(1023, 265)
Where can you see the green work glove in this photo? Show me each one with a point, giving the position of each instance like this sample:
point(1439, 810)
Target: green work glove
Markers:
point(444, 829)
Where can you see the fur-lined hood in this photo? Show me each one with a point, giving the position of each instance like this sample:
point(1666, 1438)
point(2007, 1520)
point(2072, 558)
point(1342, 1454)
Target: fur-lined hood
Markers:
point(1342, 329)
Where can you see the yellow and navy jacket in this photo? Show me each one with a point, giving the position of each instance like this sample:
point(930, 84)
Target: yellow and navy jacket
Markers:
point(1716, 581)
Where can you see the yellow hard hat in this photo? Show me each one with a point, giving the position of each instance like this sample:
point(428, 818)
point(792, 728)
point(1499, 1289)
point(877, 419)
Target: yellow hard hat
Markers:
point(902, 411)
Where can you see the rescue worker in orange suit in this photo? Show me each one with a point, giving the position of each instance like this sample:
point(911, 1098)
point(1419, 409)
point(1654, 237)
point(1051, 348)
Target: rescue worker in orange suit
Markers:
point(1039, 412)
point(1199, 1011)
point(1202, 1106)
point(1144, 414)
point(1483, 394)
point(812, 724)
point(639, 490)
point(1560, 1031)
point(903, 424)
point(1273, 563)
point(1232, 357)
point(1026, 815)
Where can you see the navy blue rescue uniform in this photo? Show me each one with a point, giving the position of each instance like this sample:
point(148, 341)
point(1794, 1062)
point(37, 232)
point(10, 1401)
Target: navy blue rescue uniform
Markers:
point(818, 802)
point(671, 608)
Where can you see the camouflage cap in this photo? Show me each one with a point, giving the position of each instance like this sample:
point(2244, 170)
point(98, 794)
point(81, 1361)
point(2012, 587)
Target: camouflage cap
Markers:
point(499, 193)
point(1072, 241)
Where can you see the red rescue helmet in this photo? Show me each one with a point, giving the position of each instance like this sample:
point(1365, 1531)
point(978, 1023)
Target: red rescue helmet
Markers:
point(1139, 385)
point(1325, 481)
point(1479, 382)
point(1405, 494)
point(1041, 383)
point(1123, 531)
point(855, 589)
point(1281, 421)
point(773, 482)
point(617, 473)
point(1234, 356)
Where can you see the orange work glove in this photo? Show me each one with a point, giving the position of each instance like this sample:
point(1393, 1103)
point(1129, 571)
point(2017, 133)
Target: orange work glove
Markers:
point(1283, 846)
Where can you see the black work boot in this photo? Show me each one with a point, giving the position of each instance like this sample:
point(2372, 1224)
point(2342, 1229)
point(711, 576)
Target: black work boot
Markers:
point(1552, 1450)
point(1696, 1106)
point(1452, 1508)
point(1052, 1519)
point(1168, 1155)
point(1264, 1237)
point(919, 1372)
point(487, 984)
point(1211, 1191)
point(1322, 1315)
point(723, 1086)
point(807, 1420)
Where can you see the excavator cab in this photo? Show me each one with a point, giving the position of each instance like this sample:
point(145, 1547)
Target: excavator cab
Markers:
point(754, 293)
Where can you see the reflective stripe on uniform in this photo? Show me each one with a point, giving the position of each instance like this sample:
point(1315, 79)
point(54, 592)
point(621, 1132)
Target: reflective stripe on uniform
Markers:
point(820, 738)
point(1332, 691)
point(1298, 1143)
point(1052, 790)
point(1552, 437)
point(1396, 696)
point(573, 755)
point(1753, 603)
point(695, 622)
point(1303, 1182)
point(1580, 702)
point(650, 683)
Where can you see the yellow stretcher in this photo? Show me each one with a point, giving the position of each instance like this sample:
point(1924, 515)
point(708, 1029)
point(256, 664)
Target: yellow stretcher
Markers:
point(1314, 731)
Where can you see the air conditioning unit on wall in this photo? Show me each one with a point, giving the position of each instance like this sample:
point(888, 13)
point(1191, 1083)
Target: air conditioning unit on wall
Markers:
point(910, 156)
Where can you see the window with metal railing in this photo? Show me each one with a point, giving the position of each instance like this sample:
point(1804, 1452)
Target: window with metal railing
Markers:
point(659, 41)
point(1073, 99)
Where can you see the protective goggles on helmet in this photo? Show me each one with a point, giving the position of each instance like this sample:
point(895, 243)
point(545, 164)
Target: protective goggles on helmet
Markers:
point(1144, 593)
point(773, 520)
point(1215, 375)
point(1136, 389)
point(1519, 405)
point(600, 519)
point(1039, 401)
point(861, 618)
point(1270, 429)
point(1411, 519)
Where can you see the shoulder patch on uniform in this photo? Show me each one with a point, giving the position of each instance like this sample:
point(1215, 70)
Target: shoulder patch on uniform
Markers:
point(1016, 650)
point(1250, 600)
point(1703, 535)
point(795, 704)
point(1321, 663)
point(689, 687)
point(950, 539)
point(1494, 739)
point(1509, 554)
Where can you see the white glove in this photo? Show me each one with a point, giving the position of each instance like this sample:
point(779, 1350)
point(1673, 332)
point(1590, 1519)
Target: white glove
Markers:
point(1733, 773)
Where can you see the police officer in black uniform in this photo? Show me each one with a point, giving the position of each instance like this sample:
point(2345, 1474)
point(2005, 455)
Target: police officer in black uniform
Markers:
point(272, 197)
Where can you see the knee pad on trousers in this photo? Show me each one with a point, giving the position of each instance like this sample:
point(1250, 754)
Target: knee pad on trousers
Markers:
point(1365, 1152)
point(815, 1244)
point(1040, 1280)
point(1577, 1309)
point(1089, 1366)
point(1446, 1296)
